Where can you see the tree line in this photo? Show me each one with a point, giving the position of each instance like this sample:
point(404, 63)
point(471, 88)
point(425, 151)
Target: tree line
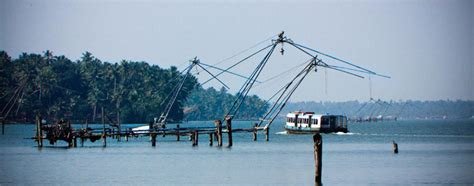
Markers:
point(408, 109)
point(56, 87)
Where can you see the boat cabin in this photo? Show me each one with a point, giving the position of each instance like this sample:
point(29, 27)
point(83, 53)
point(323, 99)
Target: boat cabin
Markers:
point(308, 122)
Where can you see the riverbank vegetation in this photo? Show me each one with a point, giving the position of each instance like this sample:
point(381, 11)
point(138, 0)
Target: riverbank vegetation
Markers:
point(130, 91)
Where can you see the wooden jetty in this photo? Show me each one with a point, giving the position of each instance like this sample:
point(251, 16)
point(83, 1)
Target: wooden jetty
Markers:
point(62, 130)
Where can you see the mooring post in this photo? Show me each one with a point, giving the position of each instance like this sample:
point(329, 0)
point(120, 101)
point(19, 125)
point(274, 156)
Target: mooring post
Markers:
point(218, 124)
point(82, 142)
point(104, 139)
point(318, 153)
point(104, 134)
point(126, 135)
point(255, 132)
point(210, 139)
point(395, 147)
point(113, 133)
point(267, 133)
point(39, 132)
point(153, 139)
point(119, 133)
point(177, 132)
point(228, 120)
point(74, 141)
point(195, 138)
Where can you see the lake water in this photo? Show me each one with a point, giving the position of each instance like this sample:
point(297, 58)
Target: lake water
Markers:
point(430, 152)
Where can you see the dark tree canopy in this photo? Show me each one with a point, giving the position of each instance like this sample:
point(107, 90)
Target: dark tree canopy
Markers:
point(58, 88)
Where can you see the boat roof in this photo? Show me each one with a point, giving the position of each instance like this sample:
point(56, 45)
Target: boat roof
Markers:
point(307, 114)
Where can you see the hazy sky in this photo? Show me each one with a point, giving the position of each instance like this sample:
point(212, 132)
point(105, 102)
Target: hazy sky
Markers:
point(426, 46)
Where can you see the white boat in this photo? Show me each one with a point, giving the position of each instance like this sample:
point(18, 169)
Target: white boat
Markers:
point(141, 129)
point(308, 122)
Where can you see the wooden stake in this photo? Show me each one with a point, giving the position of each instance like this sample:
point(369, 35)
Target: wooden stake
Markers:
point(126, 135)
point(39, 132)
point(74, 139)
point(267, 132)
point(195, 138)
point(395, 147)
point(104, 133)
point(210, 139)
point(104, 139)
point(218, 124)
point(255, 132)
point(153, 139)
point(177, 132)
point(318, 153)
point(228, 120)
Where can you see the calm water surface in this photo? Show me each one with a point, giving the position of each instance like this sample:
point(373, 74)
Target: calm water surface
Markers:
point(431, 152)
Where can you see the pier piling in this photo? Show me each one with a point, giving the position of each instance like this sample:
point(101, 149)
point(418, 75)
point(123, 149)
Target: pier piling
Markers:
point(104, 133)
point(395, 147)
point(228, 120)
point(39, 132)
point(74, 141)
point(104, 139)
point(210, 139)
point(255, 132)
point(153, 139)
point(267, 132)
point(318, 153)
point(195, 138)
point(177, 132)
point(218, 124)
point(127, 134)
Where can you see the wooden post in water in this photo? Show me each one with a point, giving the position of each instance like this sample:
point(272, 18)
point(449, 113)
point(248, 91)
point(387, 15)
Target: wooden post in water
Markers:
point(177, 132)
point(195, 138)
point(395, 147)
point(39, 132)
point(210, 139)
point(218, 124)
point(267, 132)
point(228, 121)
point(104, 139)
point(153, 139)
point(255, 132)
point(104, 134)
point(318, 153)
point(74, 141)
point(126, 135)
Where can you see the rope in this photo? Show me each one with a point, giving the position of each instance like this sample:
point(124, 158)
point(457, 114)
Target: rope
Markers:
point(288, 96)
point(232, 66)
point(248, 85)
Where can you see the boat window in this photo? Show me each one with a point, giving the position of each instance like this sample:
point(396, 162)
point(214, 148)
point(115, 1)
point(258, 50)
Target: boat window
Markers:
point(324, 120)
point(333, 120)
point(315, 121)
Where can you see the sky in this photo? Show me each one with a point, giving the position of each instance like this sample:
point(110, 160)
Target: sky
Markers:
point(426, 47)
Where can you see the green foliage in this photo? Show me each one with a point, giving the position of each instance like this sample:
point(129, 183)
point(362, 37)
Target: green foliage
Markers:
point(58, 88)
point(210, 104)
